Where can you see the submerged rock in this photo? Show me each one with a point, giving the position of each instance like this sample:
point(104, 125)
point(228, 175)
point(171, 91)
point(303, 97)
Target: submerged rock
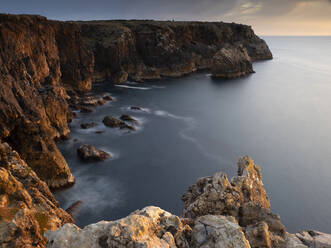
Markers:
point(231, 62)
point(113, 122)
point(129, 118)
point(90, 153)
point(136, 108)
point(85, 109)
point(88, 125)
point(73, 208)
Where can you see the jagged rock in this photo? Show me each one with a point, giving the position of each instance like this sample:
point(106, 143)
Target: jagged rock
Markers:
point(113, 122)
point(244, 198)
point(231, 62)
point(129, 118)
point(217, 196)
point(27, 207)
point(212, 231)
point(150, 227)
point(145, 50)
point(252, 213)
point(88, 125)
point(258, 235)
point(90, 153)
point(315, 239)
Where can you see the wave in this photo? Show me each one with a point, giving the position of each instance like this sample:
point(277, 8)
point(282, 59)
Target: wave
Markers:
point(133, 87)
point(191, 125)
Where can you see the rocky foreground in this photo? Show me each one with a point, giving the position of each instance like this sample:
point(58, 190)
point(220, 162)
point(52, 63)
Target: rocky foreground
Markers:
point(217, 213)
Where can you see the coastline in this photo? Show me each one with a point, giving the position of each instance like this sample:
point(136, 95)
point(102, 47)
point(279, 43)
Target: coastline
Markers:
point(44, 84)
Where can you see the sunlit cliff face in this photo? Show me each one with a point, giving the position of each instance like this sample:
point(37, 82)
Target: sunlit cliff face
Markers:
point(268, 17)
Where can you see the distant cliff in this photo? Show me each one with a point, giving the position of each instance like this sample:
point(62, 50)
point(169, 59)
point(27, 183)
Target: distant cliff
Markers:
point(145, 50)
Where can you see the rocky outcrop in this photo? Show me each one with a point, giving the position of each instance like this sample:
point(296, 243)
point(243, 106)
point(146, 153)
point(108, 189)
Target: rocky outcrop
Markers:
point(145, 50)
point(27, 207)
point(152, 227)
point(38, 57)
point(90, 153)
point(231, 62)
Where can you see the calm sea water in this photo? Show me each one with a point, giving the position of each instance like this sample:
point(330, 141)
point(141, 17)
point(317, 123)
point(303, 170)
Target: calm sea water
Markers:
point(195, 126)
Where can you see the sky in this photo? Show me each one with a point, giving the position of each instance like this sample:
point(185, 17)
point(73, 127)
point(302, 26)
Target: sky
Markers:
point(268, 17)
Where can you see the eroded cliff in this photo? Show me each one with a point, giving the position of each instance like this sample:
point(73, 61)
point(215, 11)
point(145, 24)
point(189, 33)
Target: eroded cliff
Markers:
point(144, 50)
point(37, 58)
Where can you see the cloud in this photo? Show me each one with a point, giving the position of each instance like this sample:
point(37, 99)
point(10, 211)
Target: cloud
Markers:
point(255, 12)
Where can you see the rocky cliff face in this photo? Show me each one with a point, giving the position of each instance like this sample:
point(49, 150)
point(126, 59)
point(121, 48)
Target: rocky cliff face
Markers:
point(27, 207)
point(37, 58)
point(144, 50)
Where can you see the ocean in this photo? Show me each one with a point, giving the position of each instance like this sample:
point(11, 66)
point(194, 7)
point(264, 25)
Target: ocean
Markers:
point(195, 126)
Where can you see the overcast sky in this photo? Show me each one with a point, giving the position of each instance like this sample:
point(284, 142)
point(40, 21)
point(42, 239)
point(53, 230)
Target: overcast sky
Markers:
point(268, 17)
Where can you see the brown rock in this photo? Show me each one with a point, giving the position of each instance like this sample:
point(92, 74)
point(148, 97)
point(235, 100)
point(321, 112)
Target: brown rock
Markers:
point(90, 153)
point(111, 121)
point(129, 118)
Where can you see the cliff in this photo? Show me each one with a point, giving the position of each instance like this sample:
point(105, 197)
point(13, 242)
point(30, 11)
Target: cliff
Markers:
point(37, 58)
point(145, 50)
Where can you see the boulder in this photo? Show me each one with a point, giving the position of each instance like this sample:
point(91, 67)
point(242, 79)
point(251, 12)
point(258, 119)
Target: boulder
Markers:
point(90, 153)
point(231, 62)
point(213, 231)
point(113, 122)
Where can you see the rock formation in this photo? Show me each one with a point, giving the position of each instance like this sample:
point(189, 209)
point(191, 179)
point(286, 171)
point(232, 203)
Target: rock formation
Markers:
point(27, 207)
point(90, 153)
point(145, 50)
point(231, 62)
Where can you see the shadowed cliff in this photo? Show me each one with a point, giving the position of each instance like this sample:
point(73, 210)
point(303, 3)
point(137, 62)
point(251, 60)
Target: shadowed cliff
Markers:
point(145, 50)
